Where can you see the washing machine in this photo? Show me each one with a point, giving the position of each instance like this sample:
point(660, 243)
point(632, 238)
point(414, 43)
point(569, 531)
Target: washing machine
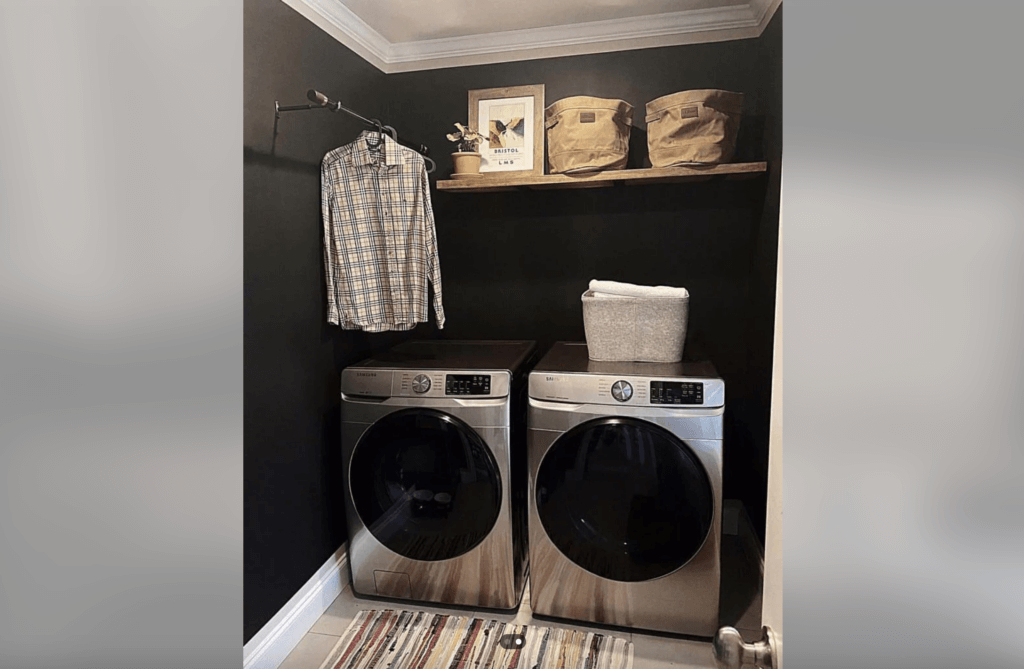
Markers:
point(433, 446)
point(625, 491)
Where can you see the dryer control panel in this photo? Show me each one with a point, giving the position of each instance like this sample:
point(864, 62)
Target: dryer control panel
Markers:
point(627, 390)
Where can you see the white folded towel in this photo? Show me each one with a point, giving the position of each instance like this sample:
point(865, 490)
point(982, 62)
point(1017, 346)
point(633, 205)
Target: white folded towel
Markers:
point(617, 289)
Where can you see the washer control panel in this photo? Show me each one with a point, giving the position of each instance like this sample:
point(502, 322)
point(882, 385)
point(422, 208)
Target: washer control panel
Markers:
point(425, 383)
point(467, 384)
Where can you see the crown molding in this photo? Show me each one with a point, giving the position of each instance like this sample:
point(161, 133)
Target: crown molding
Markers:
point(342, 24)
point(671, 29)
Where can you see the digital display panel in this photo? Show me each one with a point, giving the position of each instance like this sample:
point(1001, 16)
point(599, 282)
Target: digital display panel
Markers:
point(467, 384)
point(677, 392)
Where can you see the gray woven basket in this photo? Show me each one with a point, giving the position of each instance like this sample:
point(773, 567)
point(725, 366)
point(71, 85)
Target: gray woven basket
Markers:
point(635, 329)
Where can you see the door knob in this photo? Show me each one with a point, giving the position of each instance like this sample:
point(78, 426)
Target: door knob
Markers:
point(731, 652)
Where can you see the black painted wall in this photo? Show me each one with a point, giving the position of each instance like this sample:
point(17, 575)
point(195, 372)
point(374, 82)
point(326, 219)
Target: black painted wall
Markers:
point(513, 264)
point(293, 508)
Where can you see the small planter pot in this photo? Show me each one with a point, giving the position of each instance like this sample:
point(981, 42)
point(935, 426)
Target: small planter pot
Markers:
point(466, 164)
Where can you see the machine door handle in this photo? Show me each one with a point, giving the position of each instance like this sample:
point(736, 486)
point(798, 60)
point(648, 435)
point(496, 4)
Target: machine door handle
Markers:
point(731, 652)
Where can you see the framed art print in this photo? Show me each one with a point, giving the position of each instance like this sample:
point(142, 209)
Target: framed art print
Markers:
point(512, 123)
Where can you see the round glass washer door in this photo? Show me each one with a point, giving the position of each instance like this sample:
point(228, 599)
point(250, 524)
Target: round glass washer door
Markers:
point(425, 484)
point(624, 499)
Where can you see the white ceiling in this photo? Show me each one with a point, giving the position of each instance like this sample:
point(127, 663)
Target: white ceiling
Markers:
point(407, 35)
point(417, 20)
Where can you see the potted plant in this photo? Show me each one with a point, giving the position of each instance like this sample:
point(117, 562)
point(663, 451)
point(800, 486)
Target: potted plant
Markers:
point(467, 158)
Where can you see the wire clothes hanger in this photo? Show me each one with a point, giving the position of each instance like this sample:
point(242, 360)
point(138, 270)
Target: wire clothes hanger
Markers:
point(419, 148)
point(376, 144)
point(323, 102)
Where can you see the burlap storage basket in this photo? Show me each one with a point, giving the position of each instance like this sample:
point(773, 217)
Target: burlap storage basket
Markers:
point(587, 134)
point(697, 127)
point(635, 329)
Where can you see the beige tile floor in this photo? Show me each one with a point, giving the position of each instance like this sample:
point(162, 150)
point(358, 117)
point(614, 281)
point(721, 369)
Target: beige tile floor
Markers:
point(741, 608)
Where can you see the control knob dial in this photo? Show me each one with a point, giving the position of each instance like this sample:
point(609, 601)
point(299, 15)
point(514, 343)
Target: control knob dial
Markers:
point(421, 383)
point(622, 391)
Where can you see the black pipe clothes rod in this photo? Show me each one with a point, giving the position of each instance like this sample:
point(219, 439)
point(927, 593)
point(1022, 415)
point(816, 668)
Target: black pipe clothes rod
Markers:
point(323, 102)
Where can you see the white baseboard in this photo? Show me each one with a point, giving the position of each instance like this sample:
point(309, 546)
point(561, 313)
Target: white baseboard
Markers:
point(268, 648)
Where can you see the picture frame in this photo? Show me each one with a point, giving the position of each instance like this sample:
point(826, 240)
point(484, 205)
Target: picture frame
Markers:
point(512, 121)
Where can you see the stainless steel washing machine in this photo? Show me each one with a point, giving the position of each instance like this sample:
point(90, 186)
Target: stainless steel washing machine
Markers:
point(433, 445)
point(625, 491)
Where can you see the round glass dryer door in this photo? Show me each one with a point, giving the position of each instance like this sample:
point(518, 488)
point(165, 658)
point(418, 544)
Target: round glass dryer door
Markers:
point(624, 499)
point(425, 484)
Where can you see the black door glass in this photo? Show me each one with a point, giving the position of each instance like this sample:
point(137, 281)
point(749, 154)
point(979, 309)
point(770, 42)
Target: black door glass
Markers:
point(624, 499)
point(425, 484)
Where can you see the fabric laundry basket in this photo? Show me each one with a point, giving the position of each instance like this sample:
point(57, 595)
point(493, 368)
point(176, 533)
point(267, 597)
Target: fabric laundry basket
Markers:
point(693, 127)
point(587, 134)
point(635, 329)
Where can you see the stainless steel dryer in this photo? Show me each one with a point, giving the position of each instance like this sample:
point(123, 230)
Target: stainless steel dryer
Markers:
point(433, 445)
point(625, 491)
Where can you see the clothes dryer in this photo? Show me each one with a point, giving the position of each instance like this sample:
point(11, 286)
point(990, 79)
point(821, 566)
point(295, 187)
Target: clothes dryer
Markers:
point(433, 446)
point(625, 491)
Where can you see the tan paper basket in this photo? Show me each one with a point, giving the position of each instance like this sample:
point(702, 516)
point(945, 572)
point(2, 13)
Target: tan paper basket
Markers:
point(693, 127)
point(587, 134)
point(635, 329)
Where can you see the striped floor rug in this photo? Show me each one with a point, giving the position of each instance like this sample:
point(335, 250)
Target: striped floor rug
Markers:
point(420, 640)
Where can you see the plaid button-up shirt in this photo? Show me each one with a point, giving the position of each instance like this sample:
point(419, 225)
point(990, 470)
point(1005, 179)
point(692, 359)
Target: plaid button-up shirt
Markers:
point(380, 246)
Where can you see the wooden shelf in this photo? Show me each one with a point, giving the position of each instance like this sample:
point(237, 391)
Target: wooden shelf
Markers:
point(489, 183)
